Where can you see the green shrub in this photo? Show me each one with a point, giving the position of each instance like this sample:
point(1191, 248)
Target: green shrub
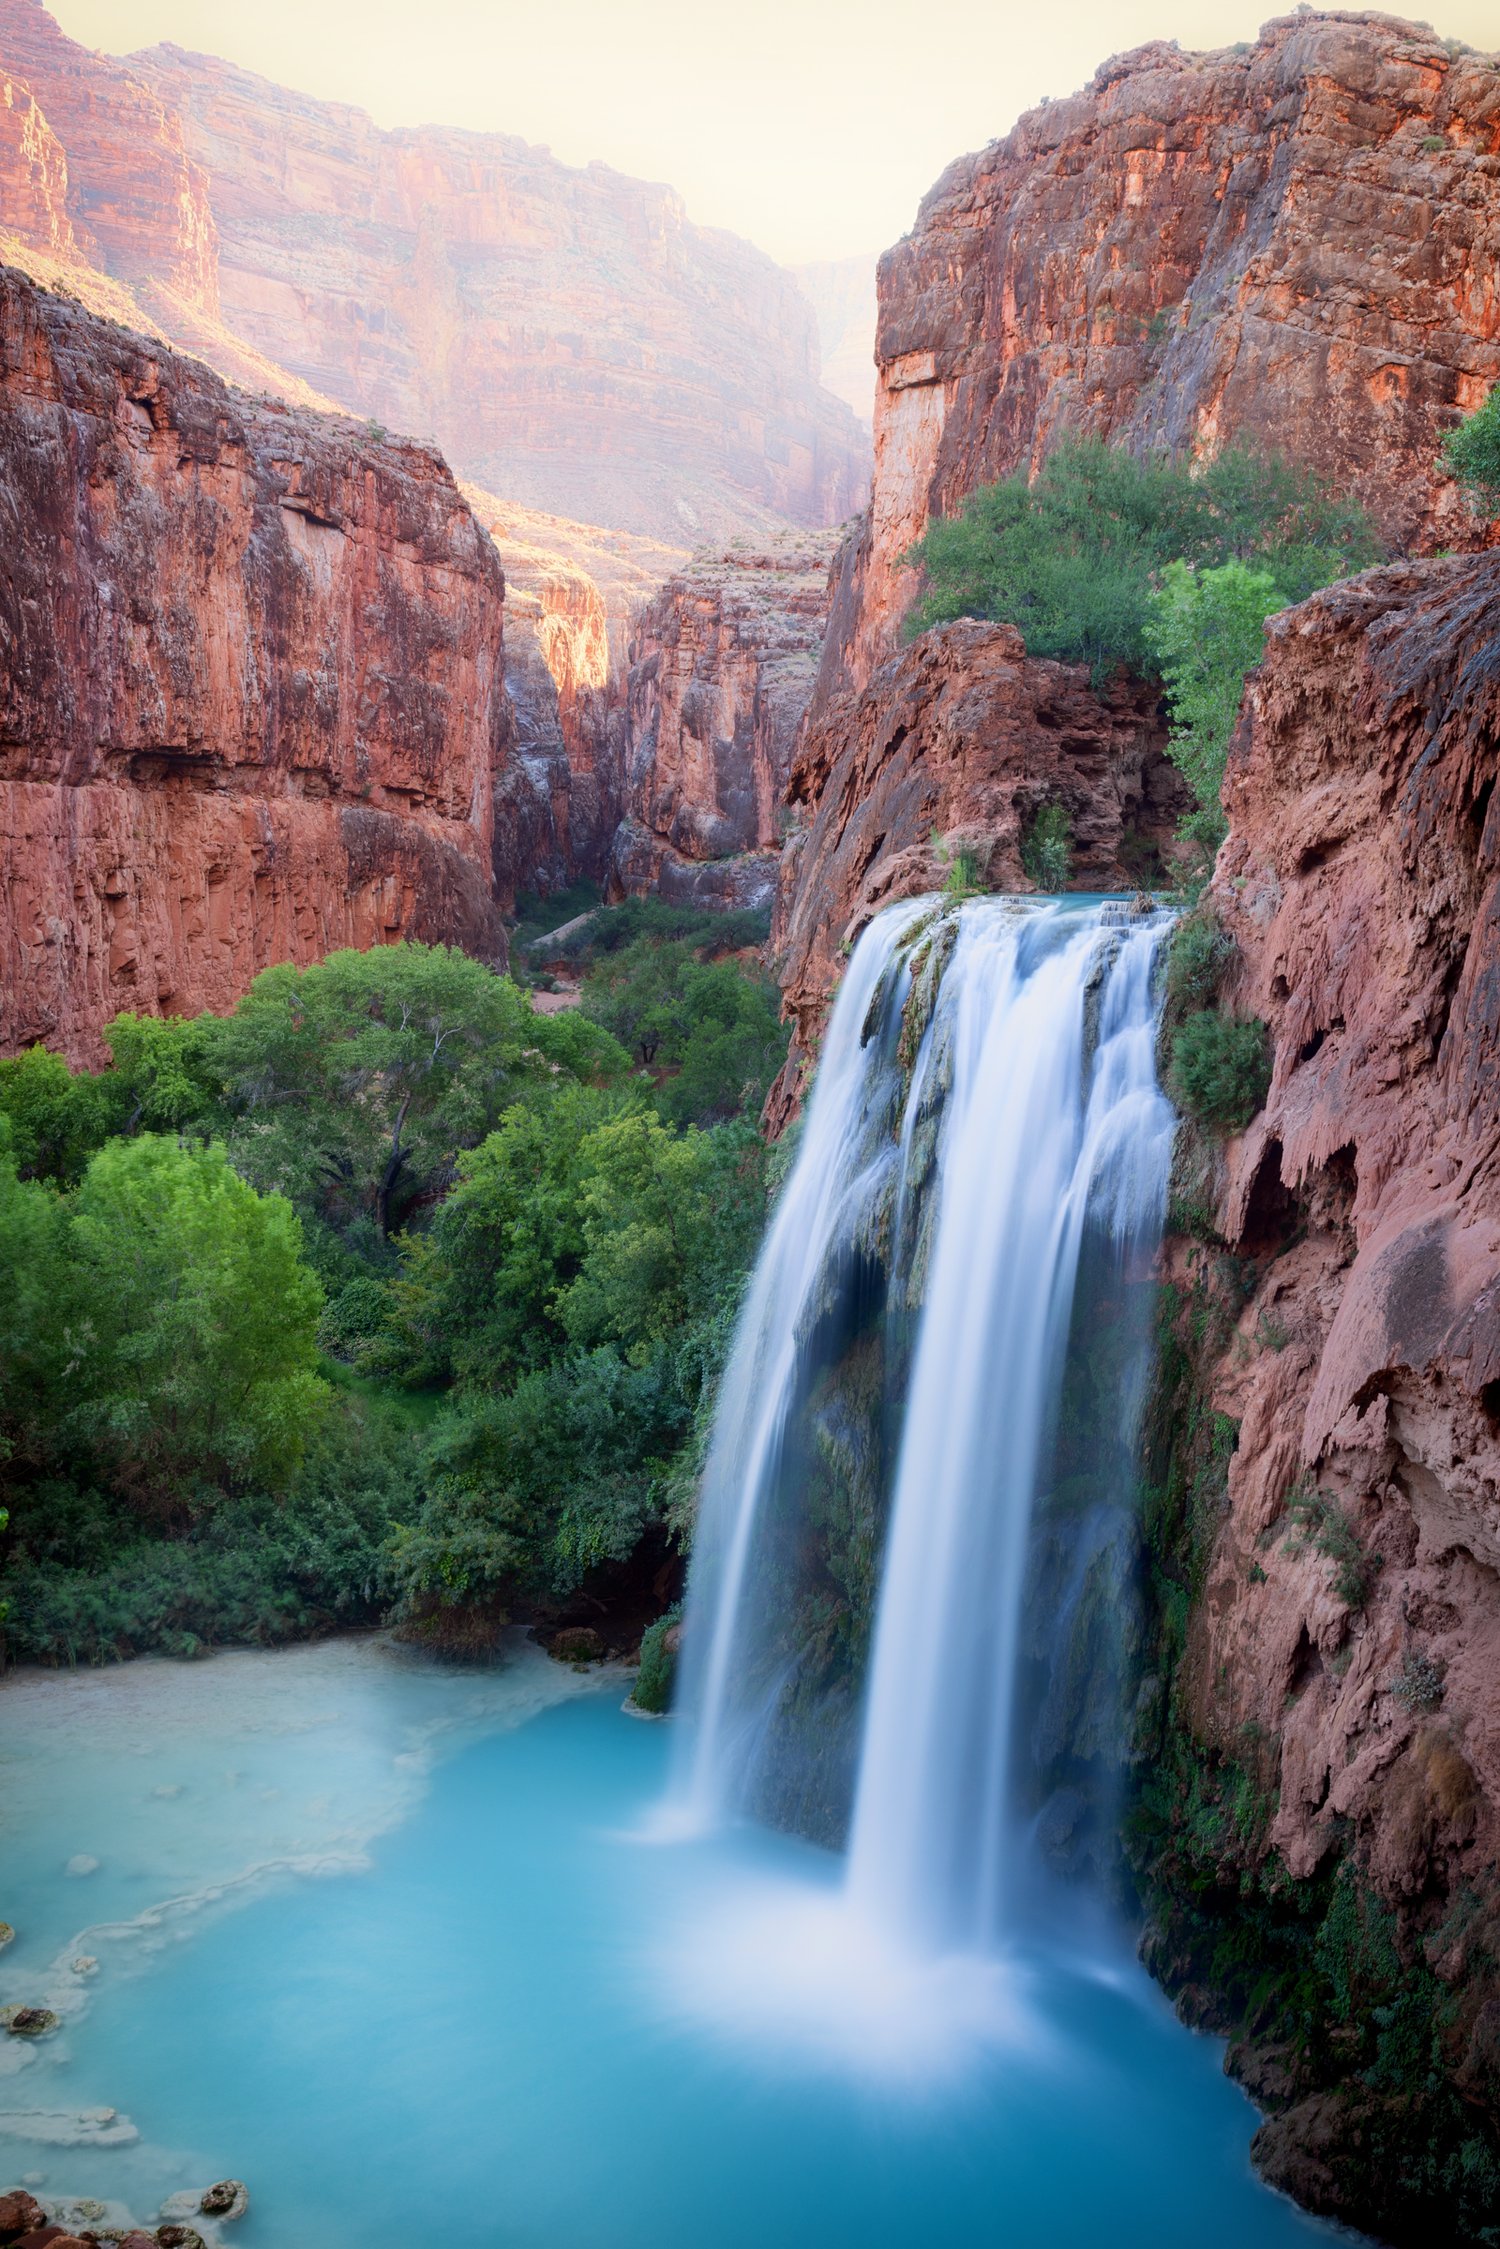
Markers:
point(1221, 1069)
point(1471, 453)
point(1319, 1521)
point(1197, 962)
point(1205, 630)
point(1047, 848)
point(1071, 556)
point(654, 1681)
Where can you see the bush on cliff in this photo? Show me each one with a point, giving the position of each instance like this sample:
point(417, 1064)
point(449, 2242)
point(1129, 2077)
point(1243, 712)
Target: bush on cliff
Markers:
point(1073, 555)
point(1471, 453)
point(1221, 1069)
point(1205, 630)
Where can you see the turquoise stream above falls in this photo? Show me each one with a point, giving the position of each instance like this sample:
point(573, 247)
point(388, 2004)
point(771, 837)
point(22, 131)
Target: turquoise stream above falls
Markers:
point(478, 2004)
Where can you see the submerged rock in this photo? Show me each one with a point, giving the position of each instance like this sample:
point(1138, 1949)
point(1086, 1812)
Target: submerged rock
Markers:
point(29, 2022)
point(576, 1643)
point(230, 2198)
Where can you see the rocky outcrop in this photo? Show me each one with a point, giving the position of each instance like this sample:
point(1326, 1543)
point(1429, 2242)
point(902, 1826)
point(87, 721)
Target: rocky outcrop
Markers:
point(1344, 1646)
point(136, 202)
point(252, 690)
point(721, 665)
point(567, 335)
point(1292, 243)
point(570, 592)
point(955, 746)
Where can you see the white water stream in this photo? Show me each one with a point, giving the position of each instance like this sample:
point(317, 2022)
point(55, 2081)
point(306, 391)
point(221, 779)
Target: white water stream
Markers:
point(1054, 1140)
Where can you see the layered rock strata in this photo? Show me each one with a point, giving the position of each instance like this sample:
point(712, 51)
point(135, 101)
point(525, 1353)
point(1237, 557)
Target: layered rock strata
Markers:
point(566, 334)
point(1293, 243)
point(251, 685)
point(1343, 1649)
point(722, 663)
point(956, 746)
point(571, 591)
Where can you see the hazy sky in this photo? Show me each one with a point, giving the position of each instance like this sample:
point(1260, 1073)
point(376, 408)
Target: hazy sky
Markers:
point(813, 126)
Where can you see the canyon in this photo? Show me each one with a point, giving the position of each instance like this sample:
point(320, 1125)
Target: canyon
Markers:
point(722, 663)
point(567, 336)
point(253, 693)
point(1265, 245)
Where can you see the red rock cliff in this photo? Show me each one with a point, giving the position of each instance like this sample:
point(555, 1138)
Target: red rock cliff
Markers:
point(1294, 242)
point(251, 685)
point(1361, 884)
point(567, 335)
point(722, 663)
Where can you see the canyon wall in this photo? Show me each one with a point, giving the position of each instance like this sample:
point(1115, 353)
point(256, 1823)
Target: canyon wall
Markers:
point(1336, 1320)
point(721, 665)
point(567, 335)
point(1294, 243)
point(955, 746)
point(252, 689)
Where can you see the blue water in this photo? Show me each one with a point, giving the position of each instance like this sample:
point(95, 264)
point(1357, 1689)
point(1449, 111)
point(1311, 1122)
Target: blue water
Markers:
point(518, 2024)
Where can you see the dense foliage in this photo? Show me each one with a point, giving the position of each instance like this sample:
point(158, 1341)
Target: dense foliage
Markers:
point(1472, 454)
point(1221, 1069)
point(1151, 565)
point(383, 1294)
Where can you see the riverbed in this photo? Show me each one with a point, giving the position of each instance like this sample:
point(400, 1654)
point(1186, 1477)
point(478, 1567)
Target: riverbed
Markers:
point(410, 1951)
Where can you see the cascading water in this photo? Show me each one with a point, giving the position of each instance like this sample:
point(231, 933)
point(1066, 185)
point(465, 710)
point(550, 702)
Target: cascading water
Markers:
point(937, 1385)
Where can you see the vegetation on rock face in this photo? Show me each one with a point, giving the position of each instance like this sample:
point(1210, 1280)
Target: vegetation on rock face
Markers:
point(1149, 565)
point(653, 1685)
point(1471, 453)
point(383, 1295)
point(1073, 556)
point(1220, 1070)
point(1047, 848)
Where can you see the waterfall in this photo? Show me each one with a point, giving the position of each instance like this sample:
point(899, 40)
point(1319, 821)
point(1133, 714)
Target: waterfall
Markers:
point(948, 1329)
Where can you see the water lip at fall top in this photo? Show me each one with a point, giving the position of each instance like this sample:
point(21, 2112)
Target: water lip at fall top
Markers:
point(487, 2019)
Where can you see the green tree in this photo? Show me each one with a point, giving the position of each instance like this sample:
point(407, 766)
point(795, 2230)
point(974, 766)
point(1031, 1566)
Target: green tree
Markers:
point(1471, 453)
point(353, 1085)
point(196, 1328)
point(36, 1302)
point(56, 1120)
point(1205, 629)
point(1072, 555)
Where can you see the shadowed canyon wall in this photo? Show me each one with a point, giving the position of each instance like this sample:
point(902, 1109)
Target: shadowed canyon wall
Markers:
point(1337, 1314)
point(722, 662)
point(251, 685)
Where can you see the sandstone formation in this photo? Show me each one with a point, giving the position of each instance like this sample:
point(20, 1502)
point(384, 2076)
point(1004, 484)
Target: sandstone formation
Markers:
point(1294, 243)
point(571, 590)
point(251, 685)
point(567, 335)
point(1346, 1643)
point(956, 744)
point(722, 663)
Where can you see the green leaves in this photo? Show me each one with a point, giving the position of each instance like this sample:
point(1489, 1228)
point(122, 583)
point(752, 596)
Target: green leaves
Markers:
point(196, 1322)
point(1205, 630)
point(1221, 1069)
point(1072, 556)
point(1471, 453)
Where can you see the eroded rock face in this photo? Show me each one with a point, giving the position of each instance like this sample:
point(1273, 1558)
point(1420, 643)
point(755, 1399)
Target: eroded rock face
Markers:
point(721, 665)
point(252, 691)
point(1344, 1648)
point(571, 590)
point(1361, 882)
point(956, 744)
point(1291, 242)
point(567, 335)
point(136, 201)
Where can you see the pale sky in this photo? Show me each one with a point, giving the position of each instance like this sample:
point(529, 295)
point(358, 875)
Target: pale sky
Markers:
point(812, 126)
